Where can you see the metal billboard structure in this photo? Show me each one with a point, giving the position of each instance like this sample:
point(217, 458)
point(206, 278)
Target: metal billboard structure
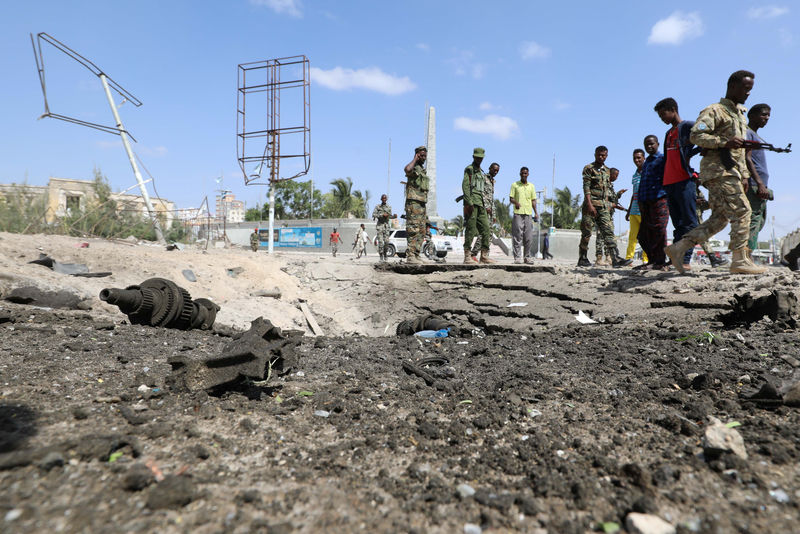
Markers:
point(108, 86)
point(273, 136)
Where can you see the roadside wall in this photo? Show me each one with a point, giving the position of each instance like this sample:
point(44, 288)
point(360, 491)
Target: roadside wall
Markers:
point(563, 243)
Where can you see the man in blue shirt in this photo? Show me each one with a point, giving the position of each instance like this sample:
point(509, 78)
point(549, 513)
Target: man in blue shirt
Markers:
point(653, 205)
point(634, 216)
point(756, 188)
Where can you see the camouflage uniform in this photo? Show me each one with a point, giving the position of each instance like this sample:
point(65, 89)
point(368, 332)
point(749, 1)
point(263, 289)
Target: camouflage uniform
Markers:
point(477, 224)
point(717, 124)
point(612, 198)
point(416, 198)
point(488, 204)
point(383, 213)
point(596, 184)
point(701, 206)
point(254, 241)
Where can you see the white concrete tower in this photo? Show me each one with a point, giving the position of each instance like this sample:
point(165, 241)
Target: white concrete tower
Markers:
point(430, 142)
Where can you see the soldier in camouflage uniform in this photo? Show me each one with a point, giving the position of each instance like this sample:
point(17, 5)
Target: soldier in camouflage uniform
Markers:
point(416, 198)
point(382, 213)
point(254, 240)
point(612, 200)
point(596, 184)
point(720, 131)
point(488, 202)
point(476, 223)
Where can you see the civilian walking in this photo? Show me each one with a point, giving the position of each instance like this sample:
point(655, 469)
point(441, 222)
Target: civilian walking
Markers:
point(523, 198)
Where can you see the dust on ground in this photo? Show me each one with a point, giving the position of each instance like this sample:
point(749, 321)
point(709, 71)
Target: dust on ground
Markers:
point(530, 422)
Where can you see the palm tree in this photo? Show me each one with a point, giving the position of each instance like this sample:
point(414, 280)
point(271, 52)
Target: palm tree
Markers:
point(456, 225)
point(343, 196)
point(566, 209)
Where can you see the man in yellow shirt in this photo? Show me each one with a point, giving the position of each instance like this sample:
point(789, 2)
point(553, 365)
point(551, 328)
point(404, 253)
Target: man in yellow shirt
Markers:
point(523, 198)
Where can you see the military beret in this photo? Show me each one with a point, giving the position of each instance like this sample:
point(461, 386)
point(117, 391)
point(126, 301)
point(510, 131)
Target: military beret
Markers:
point(420, 149)
point(478, 152)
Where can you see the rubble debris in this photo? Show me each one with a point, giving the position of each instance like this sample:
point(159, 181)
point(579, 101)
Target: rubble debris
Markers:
point(63, 268)
point(412, 369)
point(100, 274)
point(691, 305)
point(274, 293)
point(173, 492)
point(424, 322)
point(161, 302)
point(637, 523)
point(256, 354)
point(233, 272)
point(175, 246)
point(780, 306)
point(189, 275)
point(775, 393)
point(720, 438)
point(583, 318)
point(312, 322)
point(46, 299)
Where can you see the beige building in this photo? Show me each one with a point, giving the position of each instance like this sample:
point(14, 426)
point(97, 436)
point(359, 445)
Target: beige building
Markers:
point(229, 209)
point(64, 196)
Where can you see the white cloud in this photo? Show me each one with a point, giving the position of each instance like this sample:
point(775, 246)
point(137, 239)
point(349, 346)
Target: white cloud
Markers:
point(370, 78)
point(766, 12)
point(465, 64)
point(486, 106)
point(424, 47)
point(532, 50)
point(676, 28)
point(494, 125)
point(561, 105)
point(293, 8)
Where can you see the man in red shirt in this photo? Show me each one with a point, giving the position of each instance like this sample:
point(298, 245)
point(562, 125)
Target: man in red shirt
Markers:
point(334, 241)
point(679, 177)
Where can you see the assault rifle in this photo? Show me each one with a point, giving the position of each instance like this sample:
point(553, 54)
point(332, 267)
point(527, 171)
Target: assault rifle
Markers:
point(727, 160)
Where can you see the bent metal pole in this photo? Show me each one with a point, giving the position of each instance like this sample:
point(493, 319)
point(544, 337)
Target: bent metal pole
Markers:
point(126, 143)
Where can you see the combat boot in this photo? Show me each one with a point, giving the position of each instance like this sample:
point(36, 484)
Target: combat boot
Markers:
point(583, 261)
point(616, 261)
point(468, 259)
point(741, 263)
point(600, 262)
point(485, 256)
point(412, 259)
point(676, 251)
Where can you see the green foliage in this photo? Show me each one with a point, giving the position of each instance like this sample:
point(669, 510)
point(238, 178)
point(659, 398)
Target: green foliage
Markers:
point(292, 201)
point(502, 213)
point(22, 212)
point(455, 226)
point(566, 209)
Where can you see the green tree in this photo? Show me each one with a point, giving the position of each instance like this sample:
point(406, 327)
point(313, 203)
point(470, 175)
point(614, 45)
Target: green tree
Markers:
point(344, 201)
point(502, 214)
point(566, 209)
point(292, 201)
point(455, 226)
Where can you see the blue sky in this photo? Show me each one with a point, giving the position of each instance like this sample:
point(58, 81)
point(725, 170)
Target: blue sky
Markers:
point(524, 80)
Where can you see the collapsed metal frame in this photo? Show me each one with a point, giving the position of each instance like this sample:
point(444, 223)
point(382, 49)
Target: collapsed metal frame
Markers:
point(261, 145)
point(259, 153)
point(108, 86)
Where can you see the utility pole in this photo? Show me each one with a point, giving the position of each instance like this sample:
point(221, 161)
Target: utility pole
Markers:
point(389, 169)
point(126, 143)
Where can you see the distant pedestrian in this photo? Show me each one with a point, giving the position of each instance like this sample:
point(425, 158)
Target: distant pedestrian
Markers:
point(634, 215)
point(417, 184)
point(361, 240)
point(679, 176)
point(546, 247)
point(721, 130)
point(334, 241)
point(523, 198)
point(254, 240)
